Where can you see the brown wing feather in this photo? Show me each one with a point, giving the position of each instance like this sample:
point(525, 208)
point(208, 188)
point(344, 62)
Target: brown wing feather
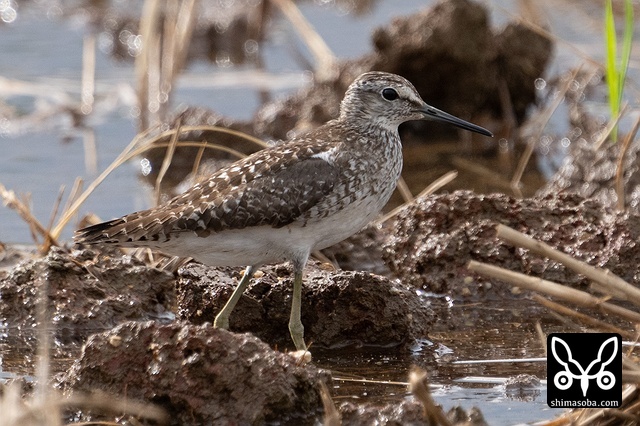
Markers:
point(272, 187)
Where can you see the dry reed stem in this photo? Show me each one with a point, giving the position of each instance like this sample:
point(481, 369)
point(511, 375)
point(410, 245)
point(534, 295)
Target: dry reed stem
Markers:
point(75, 190)
point(419, 387)
point(68, 214)
point(331, 414)
point(213, 129)
point(541, 336)
point(620, 164)
point(90, 151)
point(430, 189)
point(46, 244)
point(42, 390)
point(604, 135)
point(572, 295)
point(32, 413)
point(166, 161)
point(198, 160)
point(10, 200)
point(631, 376)
point(604, 277)
point(404, 190)
point(185, 24)
point(148, 27)
point(131, 151)
point(593, 322)
point(508, 112)
point(179, 23)
point(590, 416)
point(88, 78)
point(491, 175)
point(324, 57)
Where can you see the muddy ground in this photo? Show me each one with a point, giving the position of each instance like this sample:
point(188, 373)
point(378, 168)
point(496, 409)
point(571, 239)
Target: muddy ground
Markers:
point(142, 332)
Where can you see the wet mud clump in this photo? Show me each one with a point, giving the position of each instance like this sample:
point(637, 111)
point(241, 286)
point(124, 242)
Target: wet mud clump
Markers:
point(86, 292)
point(591, 173)
point(198, 374)
point(338, 308)
point(434, 238)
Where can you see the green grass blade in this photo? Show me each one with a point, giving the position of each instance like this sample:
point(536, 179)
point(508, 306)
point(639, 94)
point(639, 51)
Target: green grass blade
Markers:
point(610, 53)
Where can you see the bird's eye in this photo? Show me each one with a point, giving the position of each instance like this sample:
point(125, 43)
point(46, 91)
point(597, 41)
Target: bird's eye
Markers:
point(389, 94)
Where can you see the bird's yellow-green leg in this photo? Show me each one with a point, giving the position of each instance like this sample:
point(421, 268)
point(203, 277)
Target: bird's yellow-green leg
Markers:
point(222, 319)
point(296, 329)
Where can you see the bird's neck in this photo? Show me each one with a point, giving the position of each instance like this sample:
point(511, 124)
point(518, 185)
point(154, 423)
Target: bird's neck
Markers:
point(358, 118)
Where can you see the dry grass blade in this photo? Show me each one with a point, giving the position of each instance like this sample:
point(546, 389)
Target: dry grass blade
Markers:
point(10, 200)
point(613, 123)
point(588, 417)
point(606, 278)
point(404, 190)
point(68, 214)
point(75, 190)
point(325, 59)
point(88, 79)
point(33, 414)
point(148, 27)
point(166, 161)
point(134, 149)
point(572, 295)
point(46, 244)
point(486, 173)
point(198, 160)
point(593, 322)
point(430, 189)
point(213, 129)
point(419, 387)
point(331, 415)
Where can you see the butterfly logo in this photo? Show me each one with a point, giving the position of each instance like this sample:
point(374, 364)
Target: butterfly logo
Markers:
point(564, 379)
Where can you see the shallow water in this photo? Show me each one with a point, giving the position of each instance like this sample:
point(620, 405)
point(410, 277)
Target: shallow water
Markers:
point(45, 50)
point(459, 367)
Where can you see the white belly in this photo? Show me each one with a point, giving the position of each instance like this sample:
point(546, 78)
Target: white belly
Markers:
point(264, 244)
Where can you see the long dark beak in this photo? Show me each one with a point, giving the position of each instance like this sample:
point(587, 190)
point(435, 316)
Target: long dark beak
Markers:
point(435, 114)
